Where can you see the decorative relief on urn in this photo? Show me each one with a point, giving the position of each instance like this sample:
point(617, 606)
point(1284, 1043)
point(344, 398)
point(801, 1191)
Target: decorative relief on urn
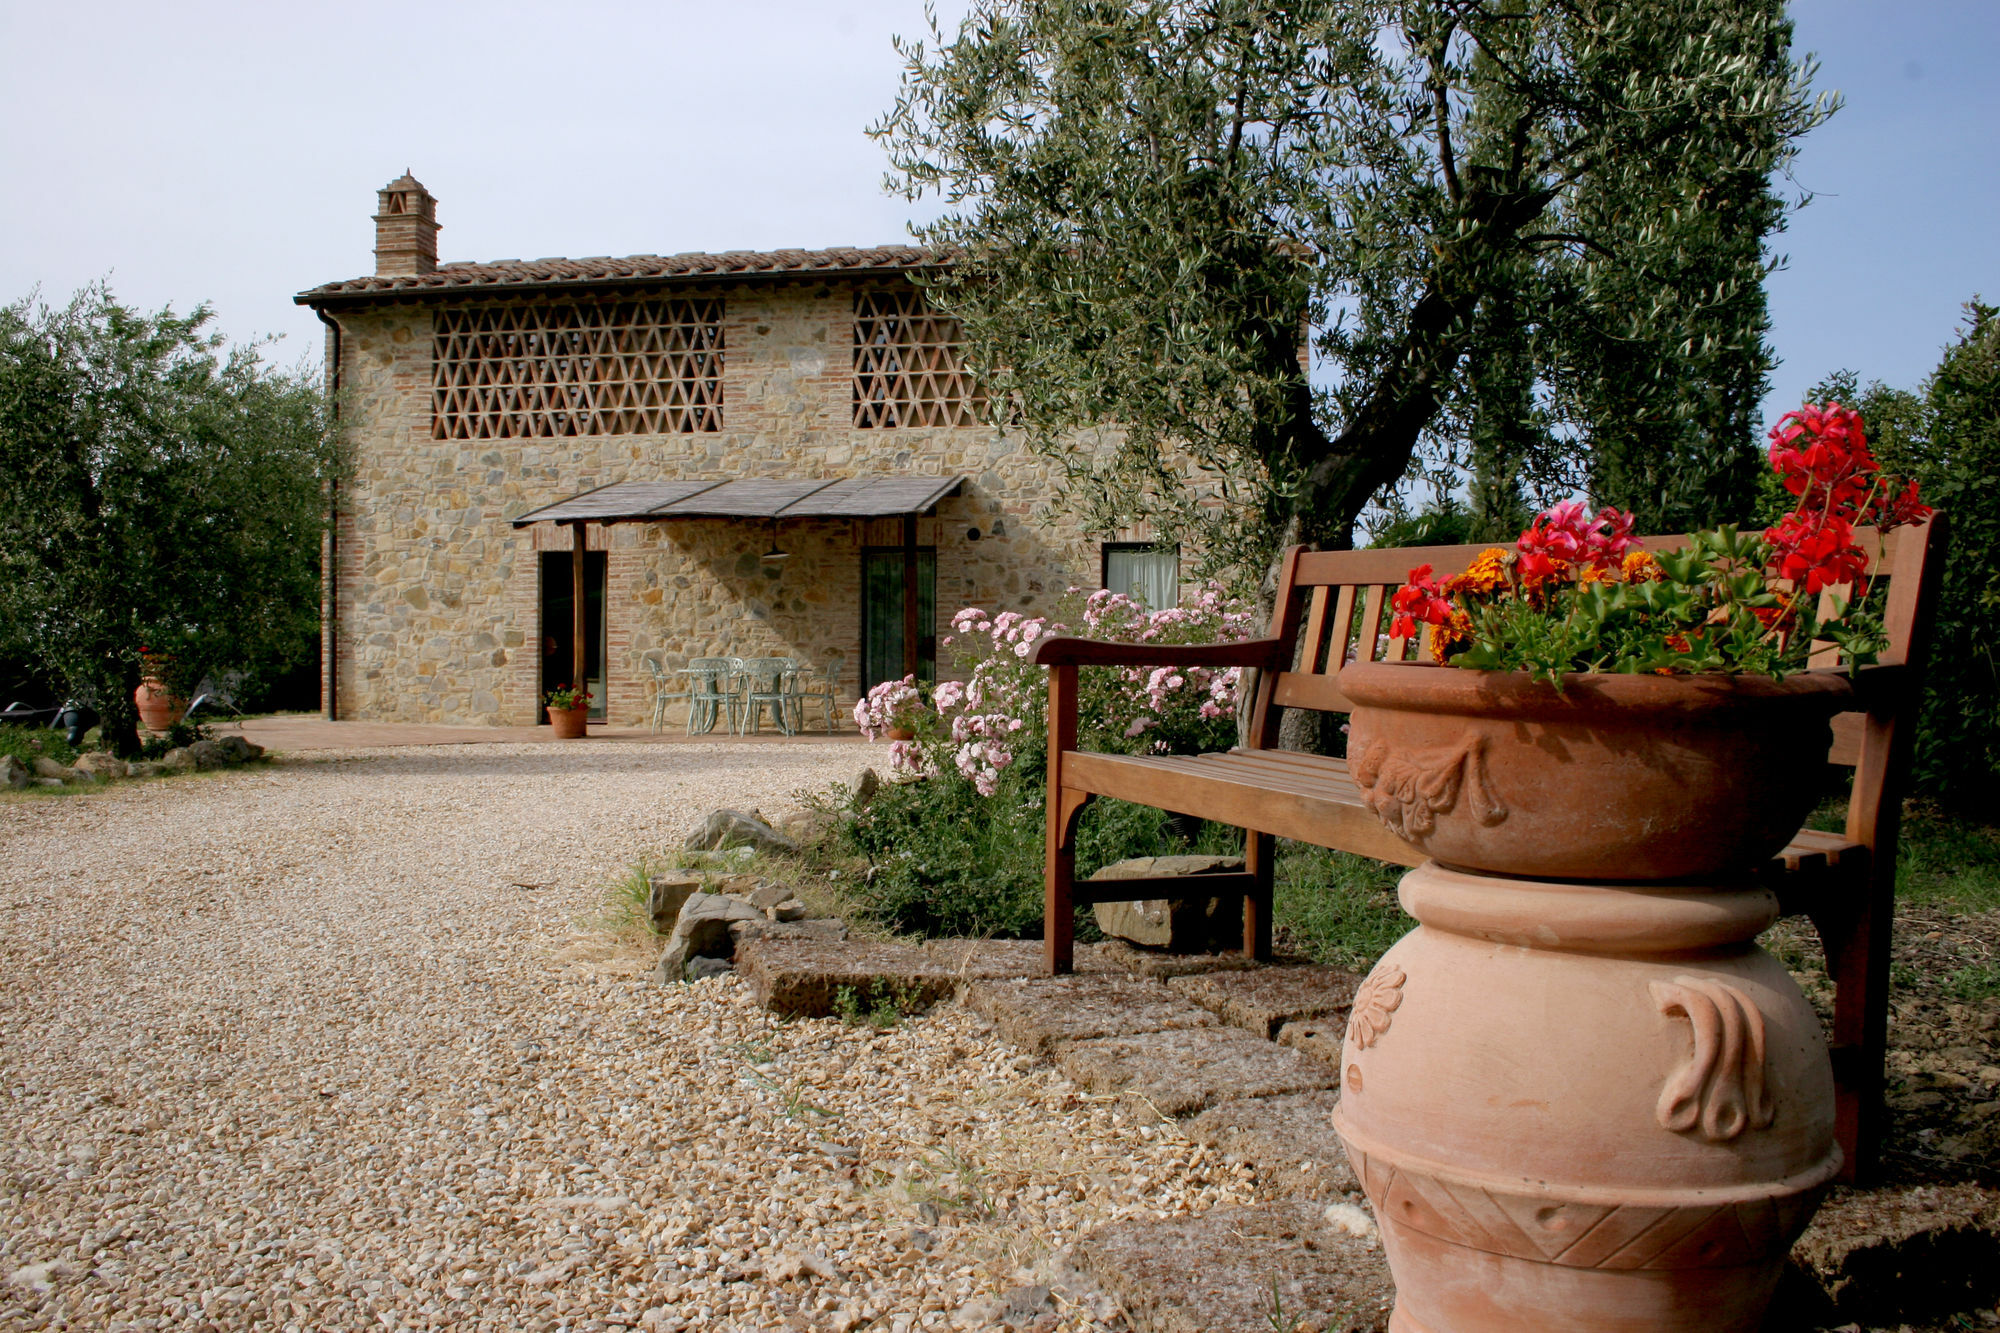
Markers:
point(1379, 997)
point(1408, 791)
point(1721, 1090)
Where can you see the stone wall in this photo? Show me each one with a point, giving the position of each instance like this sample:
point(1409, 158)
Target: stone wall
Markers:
point(439, 593)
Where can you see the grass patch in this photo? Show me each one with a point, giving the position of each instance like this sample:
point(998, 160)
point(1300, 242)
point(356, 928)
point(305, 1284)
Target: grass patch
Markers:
point(880, 1004)
point(28, 744)
point(1942, 860)
point(1978, 982)
point(1335, 907)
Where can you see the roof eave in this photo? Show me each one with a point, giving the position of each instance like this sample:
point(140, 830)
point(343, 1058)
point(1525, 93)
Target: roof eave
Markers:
point(319, 299)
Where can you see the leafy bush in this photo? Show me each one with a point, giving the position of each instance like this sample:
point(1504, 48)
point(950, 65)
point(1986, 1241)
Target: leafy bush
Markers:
point(182, 733)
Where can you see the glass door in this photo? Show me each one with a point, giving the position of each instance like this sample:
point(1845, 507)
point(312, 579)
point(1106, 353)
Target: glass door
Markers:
point(882, 614)
point(559, 627)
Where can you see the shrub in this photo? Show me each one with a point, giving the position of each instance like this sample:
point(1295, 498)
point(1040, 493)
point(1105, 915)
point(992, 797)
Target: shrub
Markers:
point(955, 846)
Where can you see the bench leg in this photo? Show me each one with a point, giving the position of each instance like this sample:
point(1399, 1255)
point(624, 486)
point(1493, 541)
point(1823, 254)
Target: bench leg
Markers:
point(1059, 883)
point(1856, 939)
point(1259, 855)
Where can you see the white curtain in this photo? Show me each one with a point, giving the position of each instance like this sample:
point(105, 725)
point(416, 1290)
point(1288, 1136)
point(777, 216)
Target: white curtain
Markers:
point(1153, 576)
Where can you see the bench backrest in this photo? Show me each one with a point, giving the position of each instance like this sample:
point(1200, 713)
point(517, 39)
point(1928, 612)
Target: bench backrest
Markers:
point(1333, 608)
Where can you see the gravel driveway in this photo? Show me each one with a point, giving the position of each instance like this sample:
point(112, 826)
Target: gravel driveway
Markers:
point(287, 1047)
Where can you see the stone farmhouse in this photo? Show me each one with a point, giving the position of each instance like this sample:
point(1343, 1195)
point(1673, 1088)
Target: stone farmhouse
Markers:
point(753, 454)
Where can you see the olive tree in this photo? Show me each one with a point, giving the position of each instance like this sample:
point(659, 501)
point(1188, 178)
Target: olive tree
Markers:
point(1491, 221)
point(159, 495)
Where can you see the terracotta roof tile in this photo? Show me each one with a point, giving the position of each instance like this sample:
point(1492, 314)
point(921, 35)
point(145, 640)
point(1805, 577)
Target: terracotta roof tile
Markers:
point(504, 273)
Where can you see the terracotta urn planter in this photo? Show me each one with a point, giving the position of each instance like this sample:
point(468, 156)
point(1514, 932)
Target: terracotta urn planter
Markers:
point(901, 733)
point(1578, 1094)
point(158, 710)
point(570, 724)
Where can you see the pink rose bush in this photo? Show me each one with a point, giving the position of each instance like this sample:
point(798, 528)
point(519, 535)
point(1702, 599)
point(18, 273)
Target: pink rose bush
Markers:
point(979, 727)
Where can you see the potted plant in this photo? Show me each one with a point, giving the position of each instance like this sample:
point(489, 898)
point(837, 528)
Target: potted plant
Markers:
point(890, 710)
point(159, 708)
point(1578, 1094)
point(569, 711)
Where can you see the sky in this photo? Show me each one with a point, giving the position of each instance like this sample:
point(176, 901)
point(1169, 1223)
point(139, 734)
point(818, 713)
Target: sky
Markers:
point(229, 152)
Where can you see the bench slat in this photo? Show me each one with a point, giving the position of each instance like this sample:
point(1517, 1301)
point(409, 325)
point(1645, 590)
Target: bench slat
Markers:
point(1232, 794)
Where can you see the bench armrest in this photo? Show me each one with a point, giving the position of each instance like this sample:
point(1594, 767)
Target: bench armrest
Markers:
point(1878, 687)
point(1061, 651)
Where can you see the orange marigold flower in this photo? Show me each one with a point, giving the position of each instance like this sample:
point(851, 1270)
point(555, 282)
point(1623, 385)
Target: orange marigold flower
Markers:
point(1487, 572)
point(1641, 567)
point(1451, 633)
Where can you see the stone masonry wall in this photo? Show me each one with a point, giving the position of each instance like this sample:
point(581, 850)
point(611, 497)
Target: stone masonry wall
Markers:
point(439, 593)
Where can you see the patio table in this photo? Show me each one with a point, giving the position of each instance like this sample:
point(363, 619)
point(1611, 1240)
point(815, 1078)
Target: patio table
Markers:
point(709, 694)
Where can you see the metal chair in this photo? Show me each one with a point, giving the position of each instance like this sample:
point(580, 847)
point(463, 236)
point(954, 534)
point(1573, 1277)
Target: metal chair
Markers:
point(766, 684)
point(819, 685)
point(709, 696)
point(663, 692)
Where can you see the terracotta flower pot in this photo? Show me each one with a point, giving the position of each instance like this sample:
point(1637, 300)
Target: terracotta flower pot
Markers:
point(570, 724)
point(158, 710)
point(1578, 1104)
point(1616, 777)
point(900, 733)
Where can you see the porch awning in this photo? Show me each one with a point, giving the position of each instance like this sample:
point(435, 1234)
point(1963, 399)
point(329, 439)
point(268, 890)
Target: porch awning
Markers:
point(748, 497)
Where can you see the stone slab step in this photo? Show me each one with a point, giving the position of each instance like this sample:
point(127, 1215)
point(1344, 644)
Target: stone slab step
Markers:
point(1288, 1140)
point(1180, 1072)
point(1160, 965)
point(1279, 1265)
point(1926, 1255)
point(1048, 1014)
point(1003, 960)
point(1265, 999)
point(803, 978)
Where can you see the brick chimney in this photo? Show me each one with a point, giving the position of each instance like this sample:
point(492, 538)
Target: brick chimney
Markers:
point(406, 228)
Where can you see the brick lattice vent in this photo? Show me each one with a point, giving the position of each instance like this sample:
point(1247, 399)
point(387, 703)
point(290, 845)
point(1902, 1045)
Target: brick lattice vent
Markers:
point(578, 368)
point(908, 370)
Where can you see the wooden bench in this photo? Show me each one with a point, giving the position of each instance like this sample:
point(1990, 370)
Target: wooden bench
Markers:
point(1331, 609)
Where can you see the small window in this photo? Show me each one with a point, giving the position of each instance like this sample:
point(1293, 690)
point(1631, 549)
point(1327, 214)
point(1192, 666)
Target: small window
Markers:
point(908, 370)
point(1146, 571)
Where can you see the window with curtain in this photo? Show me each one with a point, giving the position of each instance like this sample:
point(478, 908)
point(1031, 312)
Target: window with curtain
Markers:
point(1141, 569)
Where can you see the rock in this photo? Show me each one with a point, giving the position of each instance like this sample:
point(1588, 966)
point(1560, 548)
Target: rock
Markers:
point(102, 764)
point(665, 896)
point(207, 754)
point(1265, 999)
point(1160, 965)
point(724, 829)
point(1288, 1140)
point(789, 910)
point(864, 788)
point(46, 767)
point(1180, 1072)
point(238, 749)
point(176, 760)
point(50, 782)
point(1183, 925)
point(14, 773)
point(804, 978)
point(1044, 1014)
point(702, 930)
point(1269, 1265)
point(767, 896)
point(701, 969)
point(146, 768)
point(1025, 1302)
